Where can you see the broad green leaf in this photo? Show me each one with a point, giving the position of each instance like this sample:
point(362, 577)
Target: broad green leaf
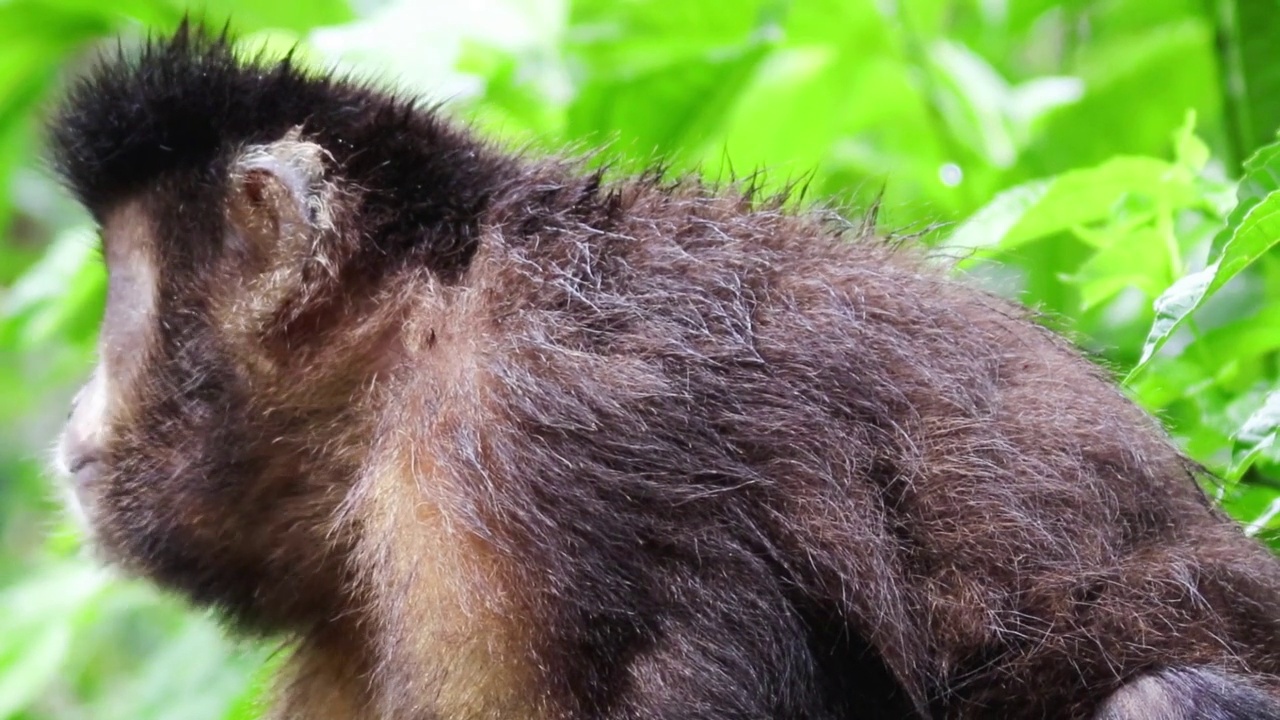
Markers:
point(1258, 508)
point(1256, 435)
point(1134, 259)
point(1252, 229)
point(513, 107)
point(639, 35)
point(857, 25)
point(1079, 197)
point(1261, 179)
point(976, 102)
point(793, 85)
point(660, 77)
point(1168, 382)
point(1245, 340)
point(38, 26)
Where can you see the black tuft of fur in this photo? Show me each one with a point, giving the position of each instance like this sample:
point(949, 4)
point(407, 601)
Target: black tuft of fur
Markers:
point(185, 104)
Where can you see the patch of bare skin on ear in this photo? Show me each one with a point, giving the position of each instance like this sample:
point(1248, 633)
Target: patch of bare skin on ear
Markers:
point(299, 165)
point(282, 209)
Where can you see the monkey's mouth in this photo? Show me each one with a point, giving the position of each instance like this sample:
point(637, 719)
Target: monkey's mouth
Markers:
point(77, 459)
point(79, 465)
point(83, 469)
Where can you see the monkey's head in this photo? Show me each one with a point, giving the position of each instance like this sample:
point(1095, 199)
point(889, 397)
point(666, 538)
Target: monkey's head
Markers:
point(249, 212)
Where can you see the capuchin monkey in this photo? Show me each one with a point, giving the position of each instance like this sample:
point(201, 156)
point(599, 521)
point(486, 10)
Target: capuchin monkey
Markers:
point(492, 436)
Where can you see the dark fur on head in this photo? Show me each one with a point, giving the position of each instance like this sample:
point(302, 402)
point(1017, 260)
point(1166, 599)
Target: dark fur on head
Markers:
point(498, 439)
point(181, 108)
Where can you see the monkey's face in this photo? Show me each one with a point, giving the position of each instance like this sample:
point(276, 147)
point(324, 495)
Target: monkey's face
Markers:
point(257, 220)
point(211, 446)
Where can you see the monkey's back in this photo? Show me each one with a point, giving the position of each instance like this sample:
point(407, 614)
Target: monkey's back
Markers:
point(810, 467)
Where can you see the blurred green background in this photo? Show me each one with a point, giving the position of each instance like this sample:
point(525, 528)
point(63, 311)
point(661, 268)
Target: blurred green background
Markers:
point(1108, 162)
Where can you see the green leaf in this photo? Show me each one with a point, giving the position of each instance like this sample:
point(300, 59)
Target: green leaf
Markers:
point(1247, 339)
point(1255, 436)
point(1131, 103)
point(692, 91)
point(1039, 208)
point(1252, 229)
point(62, 293)
point(976, 102)
point(47, 26)
point(792, 86)
point(1189, 150)
point(1135, 259)
point(1258, 508)
point(38, 620)
point(661, 77)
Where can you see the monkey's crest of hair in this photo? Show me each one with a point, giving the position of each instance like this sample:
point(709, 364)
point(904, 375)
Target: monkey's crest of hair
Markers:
point(187, 103)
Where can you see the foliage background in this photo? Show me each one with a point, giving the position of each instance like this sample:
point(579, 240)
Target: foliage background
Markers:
point(1107, 161)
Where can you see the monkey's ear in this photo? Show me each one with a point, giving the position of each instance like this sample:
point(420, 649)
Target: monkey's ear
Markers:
point(279, 192)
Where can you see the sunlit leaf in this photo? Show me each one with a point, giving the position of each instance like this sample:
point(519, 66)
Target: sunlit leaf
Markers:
point(1131, 103)
point(1036, 209)
point(1133, 259)
point(1189, 150)
point(1258, 508)
point(693, 93)
point(977, 102)
point(1252, 229)
point(1256, 435)
point(29, 661)
point(64, 290)
point(38, 619)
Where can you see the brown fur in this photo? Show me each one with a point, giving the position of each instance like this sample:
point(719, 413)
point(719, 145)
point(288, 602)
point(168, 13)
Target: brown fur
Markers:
point(621, 450)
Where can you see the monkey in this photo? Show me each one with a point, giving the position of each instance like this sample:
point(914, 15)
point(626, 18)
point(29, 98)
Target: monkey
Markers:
point(497, 434)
